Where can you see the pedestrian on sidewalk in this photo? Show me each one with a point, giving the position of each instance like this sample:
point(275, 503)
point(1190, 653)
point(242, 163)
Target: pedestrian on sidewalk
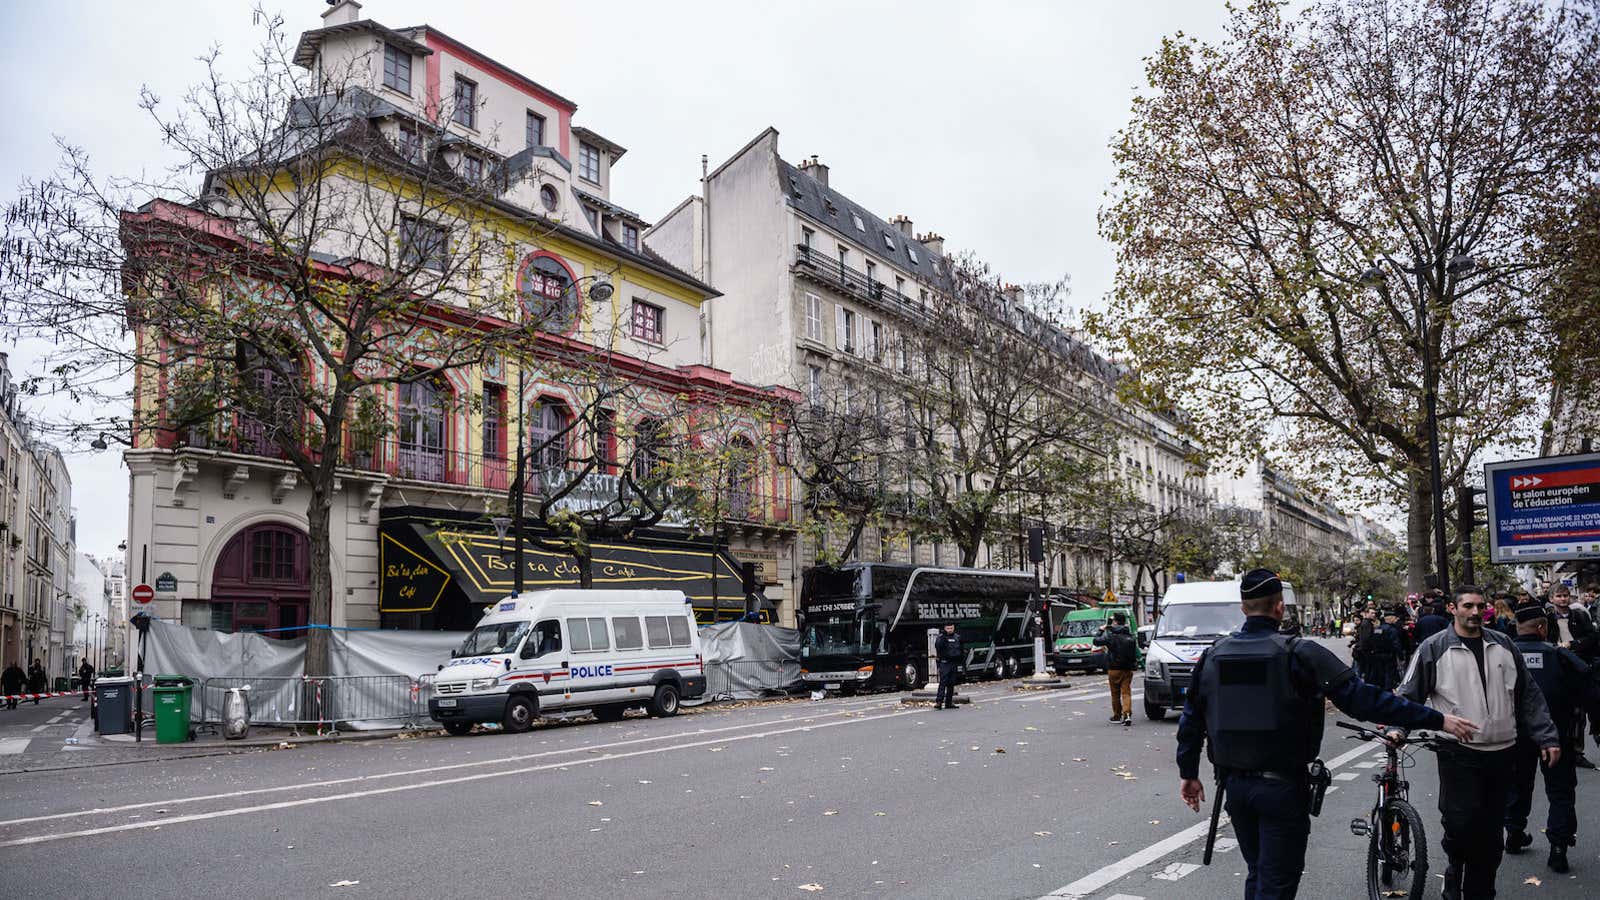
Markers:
point(86, 677)
point(948, 651)
point(11, 681)
point(1479, 674)
point(1122, 658)
point(37, 682)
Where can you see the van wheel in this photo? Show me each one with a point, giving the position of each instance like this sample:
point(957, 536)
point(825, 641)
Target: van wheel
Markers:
point(911, 673)
point(609, 713)
point(1010, 666)
point(520, 713)
point(457, 728)
point(665, 702)
point(1155, 712)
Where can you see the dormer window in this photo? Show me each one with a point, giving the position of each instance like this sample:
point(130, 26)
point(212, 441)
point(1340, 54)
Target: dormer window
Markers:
point(549, 198)
point(472, 167)
point(593, 217)
point(912, 251)
point(466, 100)
point(588, 163)
point(396, 69)
point(410, 144)
point(535, 129)
point(888, 242)
point(860, 225)
point(630, 237)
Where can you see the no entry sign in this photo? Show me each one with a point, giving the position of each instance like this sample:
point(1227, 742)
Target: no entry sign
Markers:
point(1544, 510)
point(143, 593)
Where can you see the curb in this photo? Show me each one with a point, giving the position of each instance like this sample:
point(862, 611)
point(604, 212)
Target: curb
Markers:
point(122, 741)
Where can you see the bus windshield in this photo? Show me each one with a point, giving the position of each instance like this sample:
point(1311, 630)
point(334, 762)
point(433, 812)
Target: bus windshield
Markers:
point(1200, 620)
point(840, 637)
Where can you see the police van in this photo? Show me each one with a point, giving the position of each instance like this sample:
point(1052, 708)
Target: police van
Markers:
point(603, 650)
point(1194, 615)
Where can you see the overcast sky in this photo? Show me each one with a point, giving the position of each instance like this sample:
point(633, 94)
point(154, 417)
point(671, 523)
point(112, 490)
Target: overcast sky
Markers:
point(986, 122)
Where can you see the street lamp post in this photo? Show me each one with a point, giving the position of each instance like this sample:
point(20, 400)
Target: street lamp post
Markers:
point(1459, 264)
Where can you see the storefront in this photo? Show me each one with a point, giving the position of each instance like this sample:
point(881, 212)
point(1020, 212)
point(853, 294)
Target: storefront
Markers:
point(438, 569)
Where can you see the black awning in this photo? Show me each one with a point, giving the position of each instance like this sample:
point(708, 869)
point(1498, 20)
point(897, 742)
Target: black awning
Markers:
point(434, 566)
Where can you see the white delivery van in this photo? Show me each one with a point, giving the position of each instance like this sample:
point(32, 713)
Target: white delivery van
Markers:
point(603, 650)
point(1192, 616)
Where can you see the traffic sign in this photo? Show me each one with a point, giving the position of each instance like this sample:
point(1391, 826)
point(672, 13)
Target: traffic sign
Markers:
point(143, 593)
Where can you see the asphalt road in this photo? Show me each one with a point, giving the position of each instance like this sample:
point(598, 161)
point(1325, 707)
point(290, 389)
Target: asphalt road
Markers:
point(1017, 795)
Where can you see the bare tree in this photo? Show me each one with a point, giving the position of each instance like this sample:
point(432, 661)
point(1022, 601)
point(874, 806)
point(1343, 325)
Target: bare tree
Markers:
point(1295, 209)
point(337, 249)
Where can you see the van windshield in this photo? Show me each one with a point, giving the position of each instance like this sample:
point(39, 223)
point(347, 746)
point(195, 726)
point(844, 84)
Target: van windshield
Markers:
point(1200, 620)
point(498, 638)
point(1080, 627)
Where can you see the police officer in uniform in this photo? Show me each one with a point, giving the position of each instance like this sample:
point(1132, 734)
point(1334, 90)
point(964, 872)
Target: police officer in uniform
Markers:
point(1257, 701)
point(1564, 681)
point(947, 649)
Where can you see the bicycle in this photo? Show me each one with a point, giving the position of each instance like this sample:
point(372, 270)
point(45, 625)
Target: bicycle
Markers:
point(1399, 845)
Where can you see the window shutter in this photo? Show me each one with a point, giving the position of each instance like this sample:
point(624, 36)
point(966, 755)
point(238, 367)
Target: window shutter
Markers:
point(860, 321)
point(839, 331)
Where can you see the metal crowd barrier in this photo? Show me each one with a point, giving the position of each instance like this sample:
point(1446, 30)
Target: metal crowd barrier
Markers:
point(322, 703)
point(763, 677)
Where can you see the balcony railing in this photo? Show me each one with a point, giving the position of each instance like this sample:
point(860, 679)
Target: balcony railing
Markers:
point(832, 272)
point(492, 473)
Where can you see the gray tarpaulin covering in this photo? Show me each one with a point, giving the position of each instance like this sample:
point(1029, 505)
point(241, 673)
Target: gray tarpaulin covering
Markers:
point(745, 660)
point(266, 664)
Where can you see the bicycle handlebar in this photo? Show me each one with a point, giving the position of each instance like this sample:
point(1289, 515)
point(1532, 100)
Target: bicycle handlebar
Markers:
point(1421, 736)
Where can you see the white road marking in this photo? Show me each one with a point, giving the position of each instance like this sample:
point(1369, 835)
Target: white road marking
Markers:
point(441, 782)
point(1369, 764)
point(1224, 844)
point(13, 745)
point(1123, 897)
point(428, 770)
point(1331, 789)
point(1346, 776)
point(1094, 881)
point(1175, 871)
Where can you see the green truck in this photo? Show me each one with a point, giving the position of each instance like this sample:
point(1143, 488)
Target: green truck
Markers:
point(1074, 645)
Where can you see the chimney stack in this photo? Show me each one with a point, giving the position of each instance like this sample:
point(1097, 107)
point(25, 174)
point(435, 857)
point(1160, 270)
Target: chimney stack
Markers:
point(903, 223)
point(341, 12)
point(934, 242)
point(815, 169)
point(1013, 294)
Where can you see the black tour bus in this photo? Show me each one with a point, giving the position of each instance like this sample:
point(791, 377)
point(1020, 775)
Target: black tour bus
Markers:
point(865, 625)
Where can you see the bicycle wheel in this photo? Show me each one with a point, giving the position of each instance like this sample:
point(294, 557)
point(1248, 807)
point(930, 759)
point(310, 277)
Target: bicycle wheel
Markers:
point(1397, 856)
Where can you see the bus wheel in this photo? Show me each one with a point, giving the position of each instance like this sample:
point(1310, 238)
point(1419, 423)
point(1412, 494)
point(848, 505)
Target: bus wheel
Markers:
point(912, 675)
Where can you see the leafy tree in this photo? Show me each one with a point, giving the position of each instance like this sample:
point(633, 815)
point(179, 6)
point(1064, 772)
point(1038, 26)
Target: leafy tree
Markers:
point(1295, 202)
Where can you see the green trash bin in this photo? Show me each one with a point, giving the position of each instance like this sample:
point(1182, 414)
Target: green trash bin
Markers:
point(171, 696)
point(63, 684)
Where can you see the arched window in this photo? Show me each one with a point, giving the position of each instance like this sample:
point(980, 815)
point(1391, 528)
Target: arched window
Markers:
point(548, 294)
point(649, 445)
point(270, 411)
point(549, 429)
point(741, 478)
point(420, 439)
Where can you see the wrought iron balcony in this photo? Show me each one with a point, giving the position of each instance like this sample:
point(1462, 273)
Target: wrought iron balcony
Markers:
point(854, 282)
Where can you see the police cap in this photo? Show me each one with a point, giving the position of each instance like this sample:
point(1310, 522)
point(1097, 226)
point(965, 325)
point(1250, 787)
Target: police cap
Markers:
point(1258, 583)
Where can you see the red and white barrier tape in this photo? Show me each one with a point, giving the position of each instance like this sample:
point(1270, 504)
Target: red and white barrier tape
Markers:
point(40, 696)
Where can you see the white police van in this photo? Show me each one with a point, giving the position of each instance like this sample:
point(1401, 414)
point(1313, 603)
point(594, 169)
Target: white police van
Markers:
point(603, 650)
point(1194, 614)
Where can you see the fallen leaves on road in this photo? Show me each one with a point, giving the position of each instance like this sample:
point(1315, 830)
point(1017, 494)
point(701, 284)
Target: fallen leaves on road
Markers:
point(1041, 834)
point(596, 803)
point(880, 814)
point(766, 769)
point(811, 886)
point(345, 883)
point(974, 747)
point(999, 749)
point(1030, 728)
point(830, 812)
point(645, 781)
point(1533, 880)
point(1080, 759)
point(1155, 821)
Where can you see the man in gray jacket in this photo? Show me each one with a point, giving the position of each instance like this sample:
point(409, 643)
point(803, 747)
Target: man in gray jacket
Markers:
point(1477, 674)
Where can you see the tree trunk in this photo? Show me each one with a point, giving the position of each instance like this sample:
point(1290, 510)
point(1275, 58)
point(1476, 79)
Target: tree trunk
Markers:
point(585, 561)
point(1419, 528)
point(969, 554)
point(321, 610)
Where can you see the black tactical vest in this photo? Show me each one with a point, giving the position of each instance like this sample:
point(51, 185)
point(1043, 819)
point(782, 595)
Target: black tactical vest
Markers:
point(1544, 664)
point(1255, 719)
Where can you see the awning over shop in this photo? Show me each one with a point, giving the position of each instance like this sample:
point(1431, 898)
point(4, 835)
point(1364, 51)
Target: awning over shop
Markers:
point(431, 564)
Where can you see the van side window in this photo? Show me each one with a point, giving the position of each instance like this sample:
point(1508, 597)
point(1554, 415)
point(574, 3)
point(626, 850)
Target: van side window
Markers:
point(546, 638)
point(588, 634)
point(629, 635)
point(655, 627)
point(679, 626)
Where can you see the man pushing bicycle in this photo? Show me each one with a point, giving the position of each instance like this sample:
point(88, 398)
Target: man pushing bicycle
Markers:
point(1258, 701)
